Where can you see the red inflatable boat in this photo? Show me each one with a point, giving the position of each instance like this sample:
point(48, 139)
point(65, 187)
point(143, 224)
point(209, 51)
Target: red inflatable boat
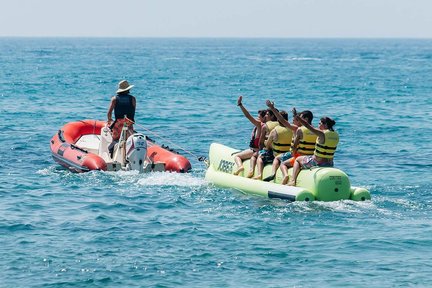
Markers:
point(83, 146)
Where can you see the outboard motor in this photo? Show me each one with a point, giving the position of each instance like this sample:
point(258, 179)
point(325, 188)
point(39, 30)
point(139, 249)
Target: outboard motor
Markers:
point(136, 152)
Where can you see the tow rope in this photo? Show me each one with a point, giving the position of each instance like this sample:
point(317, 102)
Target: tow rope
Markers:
point(199, 158)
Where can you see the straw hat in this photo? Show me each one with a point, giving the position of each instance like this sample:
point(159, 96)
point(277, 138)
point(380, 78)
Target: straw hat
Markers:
point(124, 86)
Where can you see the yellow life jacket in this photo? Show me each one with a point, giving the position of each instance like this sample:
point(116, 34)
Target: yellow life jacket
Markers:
point(284, 139)
point(328, 148)
point(271, 125)
point(306, 145)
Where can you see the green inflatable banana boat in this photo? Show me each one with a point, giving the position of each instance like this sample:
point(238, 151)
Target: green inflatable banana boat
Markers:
point(321, 184)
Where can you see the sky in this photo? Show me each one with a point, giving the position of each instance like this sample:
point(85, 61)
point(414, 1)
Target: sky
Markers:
point(217, 18)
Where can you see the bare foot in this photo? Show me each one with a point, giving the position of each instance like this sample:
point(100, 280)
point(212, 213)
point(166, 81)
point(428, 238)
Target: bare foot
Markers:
point(250, 175)
point(258, 177)
point(239, 170)
point(291, 183)
point(285, 180)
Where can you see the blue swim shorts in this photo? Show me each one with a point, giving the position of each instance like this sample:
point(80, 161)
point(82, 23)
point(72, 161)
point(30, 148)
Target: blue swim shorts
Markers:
point(285, 156)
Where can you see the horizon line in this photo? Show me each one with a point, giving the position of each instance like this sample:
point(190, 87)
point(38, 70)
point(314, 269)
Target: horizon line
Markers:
point(228, 37)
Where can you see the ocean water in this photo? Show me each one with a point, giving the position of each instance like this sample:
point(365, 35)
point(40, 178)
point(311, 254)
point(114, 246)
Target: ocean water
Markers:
point(60, 229)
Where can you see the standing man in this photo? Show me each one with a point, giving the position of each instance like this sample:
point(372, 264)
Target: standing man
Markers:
point(124, 106)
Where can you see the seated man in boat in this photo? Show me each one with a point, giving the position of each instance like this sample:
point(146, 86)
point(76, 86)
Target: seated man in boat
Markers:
point(254, 141)
point(325, 147)
point(270, 122)
point(287, 155)
point(124, 106)
point(278, 142)
point(303, 142)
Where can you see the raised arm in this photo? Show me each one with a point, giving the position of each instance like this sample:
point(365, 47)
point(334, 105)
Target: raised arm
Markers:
point(279, 117)
point(268, 143)
point(254, 121)
point(298, 135)
point(317, 132)
point(262, 137)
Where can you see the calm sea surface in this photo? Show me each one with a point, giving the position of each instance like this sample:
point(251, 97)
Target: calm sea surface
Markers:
point(59, 229)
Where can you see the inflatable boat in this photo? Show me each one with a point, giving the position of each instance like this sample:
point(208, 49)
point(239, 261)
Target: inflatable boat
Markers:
point(321, 184)
point(83, 146)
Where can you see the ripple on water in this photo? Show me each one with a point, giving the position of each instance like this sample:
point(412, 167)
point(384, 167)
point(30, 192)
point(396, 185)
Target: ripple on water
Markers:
point(165, 229)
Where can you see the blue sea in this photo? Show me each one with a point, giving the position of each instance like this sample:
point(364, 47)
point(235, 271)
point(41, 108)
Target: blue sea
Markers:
point(106, 229)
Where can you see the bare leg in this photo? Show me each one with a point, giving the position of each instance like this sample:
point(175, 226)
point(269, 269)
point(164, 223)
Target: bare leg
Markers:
point(246, 154)
point(260, 166)
point(111, 147)
point(296, 171)
point(284, 170)
point(239, 163)
point(253, 160)
point(275, 166)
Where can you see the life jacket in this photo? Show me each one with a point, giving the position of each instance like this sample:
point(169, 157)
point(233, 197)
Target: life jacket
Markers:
point(255, 139)
point(271, 125)
point(328, 148)
point(306, 145)
point(124, 106)
point(284, 140)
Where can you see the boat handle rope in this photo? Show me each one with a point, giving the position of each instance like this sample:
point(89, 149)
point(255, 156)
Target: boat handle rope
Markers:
point(78, 148)
point(60, 136)
point(199, 158)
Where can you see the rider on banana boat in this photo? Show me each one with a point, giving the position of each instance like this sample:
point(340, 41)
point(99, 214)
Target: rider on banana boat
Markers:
point(325, 147)
point(255, 138)
point(278, 142)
